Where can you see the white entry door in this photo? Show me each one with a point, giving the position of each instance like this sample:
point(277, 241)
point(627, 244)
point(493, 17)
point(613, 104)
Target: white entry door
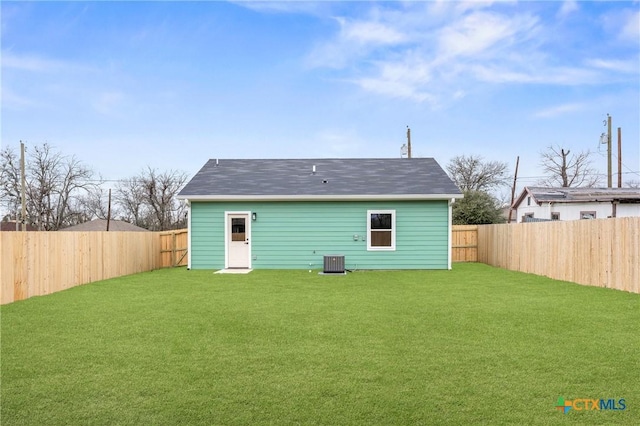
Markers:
point(238, 240)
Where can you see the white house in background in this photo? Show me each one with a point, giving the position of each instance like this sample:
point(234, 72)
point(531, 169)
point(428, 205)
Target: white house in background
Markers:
point(538, 203)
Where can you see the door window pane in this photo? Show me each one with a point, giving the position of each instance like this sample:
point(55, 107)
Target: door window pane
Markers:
point(237, 229)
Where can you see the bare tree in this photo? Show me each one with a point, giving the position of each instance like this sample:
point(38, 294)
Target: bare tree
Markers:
point(566, 170)
point(149, 199)
point(633, 184)
point(95, 203)
point(54, 183)
point(472, 173)
point(129, 196)
point(161, 190)
point(10, 181)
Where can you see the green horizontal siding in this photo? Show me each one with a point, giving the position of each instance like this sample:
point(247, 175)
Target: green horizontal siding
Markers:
point(296, 235)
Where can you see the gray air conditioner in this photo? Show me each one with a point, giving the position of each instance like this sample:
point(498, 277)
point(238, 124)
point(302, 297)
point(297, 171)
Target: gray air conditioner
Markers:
point(334, 264)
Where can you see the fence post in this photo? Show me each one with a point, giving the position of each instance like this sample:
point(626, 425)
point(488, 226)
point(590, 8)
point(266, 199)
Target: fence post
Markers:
point(174, 253)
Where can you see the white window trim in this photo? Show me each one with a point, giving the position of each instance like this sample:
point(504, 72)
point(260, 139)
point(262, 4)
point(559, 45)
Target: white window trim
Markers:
point(393, 230)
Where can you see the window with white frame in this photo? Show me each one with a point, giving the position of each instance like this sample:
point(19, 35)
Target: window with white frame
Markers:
point(381, 229)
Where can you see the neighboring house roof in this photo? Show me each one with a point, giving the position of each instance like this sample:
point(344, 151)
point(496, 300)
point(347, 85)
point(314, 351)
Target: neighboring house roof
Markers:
point(101, 225)
point(318, 179)
point(11, 226)
point(578, 195)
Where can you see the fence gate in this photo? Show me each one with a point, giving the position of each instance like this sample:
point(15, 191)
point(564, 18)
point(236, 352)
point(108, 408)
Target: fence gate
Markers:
point(173, 248)
point(464, 243)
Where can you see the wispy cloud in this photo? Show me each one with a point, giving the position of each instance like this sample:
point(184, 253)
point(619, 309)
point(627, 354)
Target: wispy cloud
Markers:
point(478, 32)
point(568, 7)
point(616, 65)
point(355, 39)
point(375, 33)
point(565, 76)
point(434, 53)
point(39, 64)
point(302, 7)
point(30, 63)
point(11, 100)
point(630, 30)
point(558, 110)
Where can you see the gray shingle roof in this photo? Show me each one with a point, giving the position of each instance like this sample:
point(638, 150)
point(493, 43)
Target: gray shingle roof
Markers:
point(576, 195)
point(340, 178)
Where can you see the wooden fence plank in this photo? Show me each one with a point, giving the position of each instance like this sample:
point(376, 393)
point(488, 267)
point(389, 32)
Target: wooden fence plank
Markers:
point(39, 263)
point(602, 252)
point(464, 243)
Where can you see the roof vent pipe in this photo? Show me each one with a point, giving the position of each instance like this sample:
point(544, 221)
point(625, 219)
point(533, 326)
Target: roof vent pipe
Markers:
point(313, 170)
point(216, 162)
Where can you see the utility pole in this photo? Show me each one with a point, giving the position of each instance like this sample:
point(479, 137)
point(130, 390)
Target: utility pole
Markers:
point(109, 210)
point(619, 157)
point(408, 142)
point(609, 176)
point(23, 185)
point(513, 188)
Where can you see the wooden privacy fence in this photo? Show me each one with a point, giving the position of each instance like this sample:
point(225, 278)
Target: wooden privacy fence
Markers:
point(602, 252)
point(39, 263)
point(464, 243)
point(173, 248)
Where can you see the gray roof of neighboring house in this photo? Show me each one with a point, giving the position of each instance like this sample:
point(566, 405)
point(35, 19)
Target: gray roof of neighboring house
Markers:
point(11, 226)
point(579, 195)
point(363, 178)
point(101, 225)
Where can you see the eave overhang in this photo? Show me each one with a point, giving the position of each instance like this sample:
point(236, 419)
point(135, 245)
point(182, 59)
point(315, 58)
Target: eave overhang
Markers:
point(381, 197)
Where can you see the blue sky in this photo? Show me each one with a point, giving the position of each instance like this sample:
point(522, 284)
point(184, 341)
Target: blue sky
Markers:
point(126, 85)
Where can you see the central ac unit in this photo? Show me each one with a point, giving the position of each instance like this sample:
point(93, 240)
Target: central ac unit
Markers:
point(334, 264)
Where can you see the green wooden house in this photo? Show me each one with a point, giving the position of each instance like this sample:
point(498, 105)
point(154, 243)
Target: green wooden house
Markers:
point(294, 214)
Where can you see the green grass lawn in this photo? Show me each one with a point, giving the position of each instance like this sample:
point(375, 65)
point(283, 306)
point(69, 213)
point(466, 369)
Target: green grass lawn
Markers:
point(475, 345)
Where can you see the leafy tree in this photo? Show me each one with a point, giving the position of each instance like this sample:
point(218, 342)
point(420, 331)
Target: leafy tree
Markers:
point(476, 208)
point(567, 170)
point(472, 173)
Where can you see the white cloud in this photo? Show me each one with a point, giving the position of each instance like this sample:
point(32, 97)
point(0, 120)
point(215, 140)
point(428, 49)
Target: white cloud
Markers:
point(480, 31)
point(370, 32)
point(408, 79)
point(355, 39)
point(40, 64)
point(268, 6)
point(396, 89)
point(557, 110)
point(616, 65)
point(631, 28)
point(568, 7)
point(566, 76)
point(436, 52)
point(11, 100)
point(30, 63)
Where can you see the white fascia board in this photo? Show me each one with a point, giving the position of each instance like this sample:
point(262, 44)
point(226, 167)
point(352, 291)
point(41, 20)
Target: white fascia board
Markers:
point(319, 197)
point(599, 200)
point(189, 234)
